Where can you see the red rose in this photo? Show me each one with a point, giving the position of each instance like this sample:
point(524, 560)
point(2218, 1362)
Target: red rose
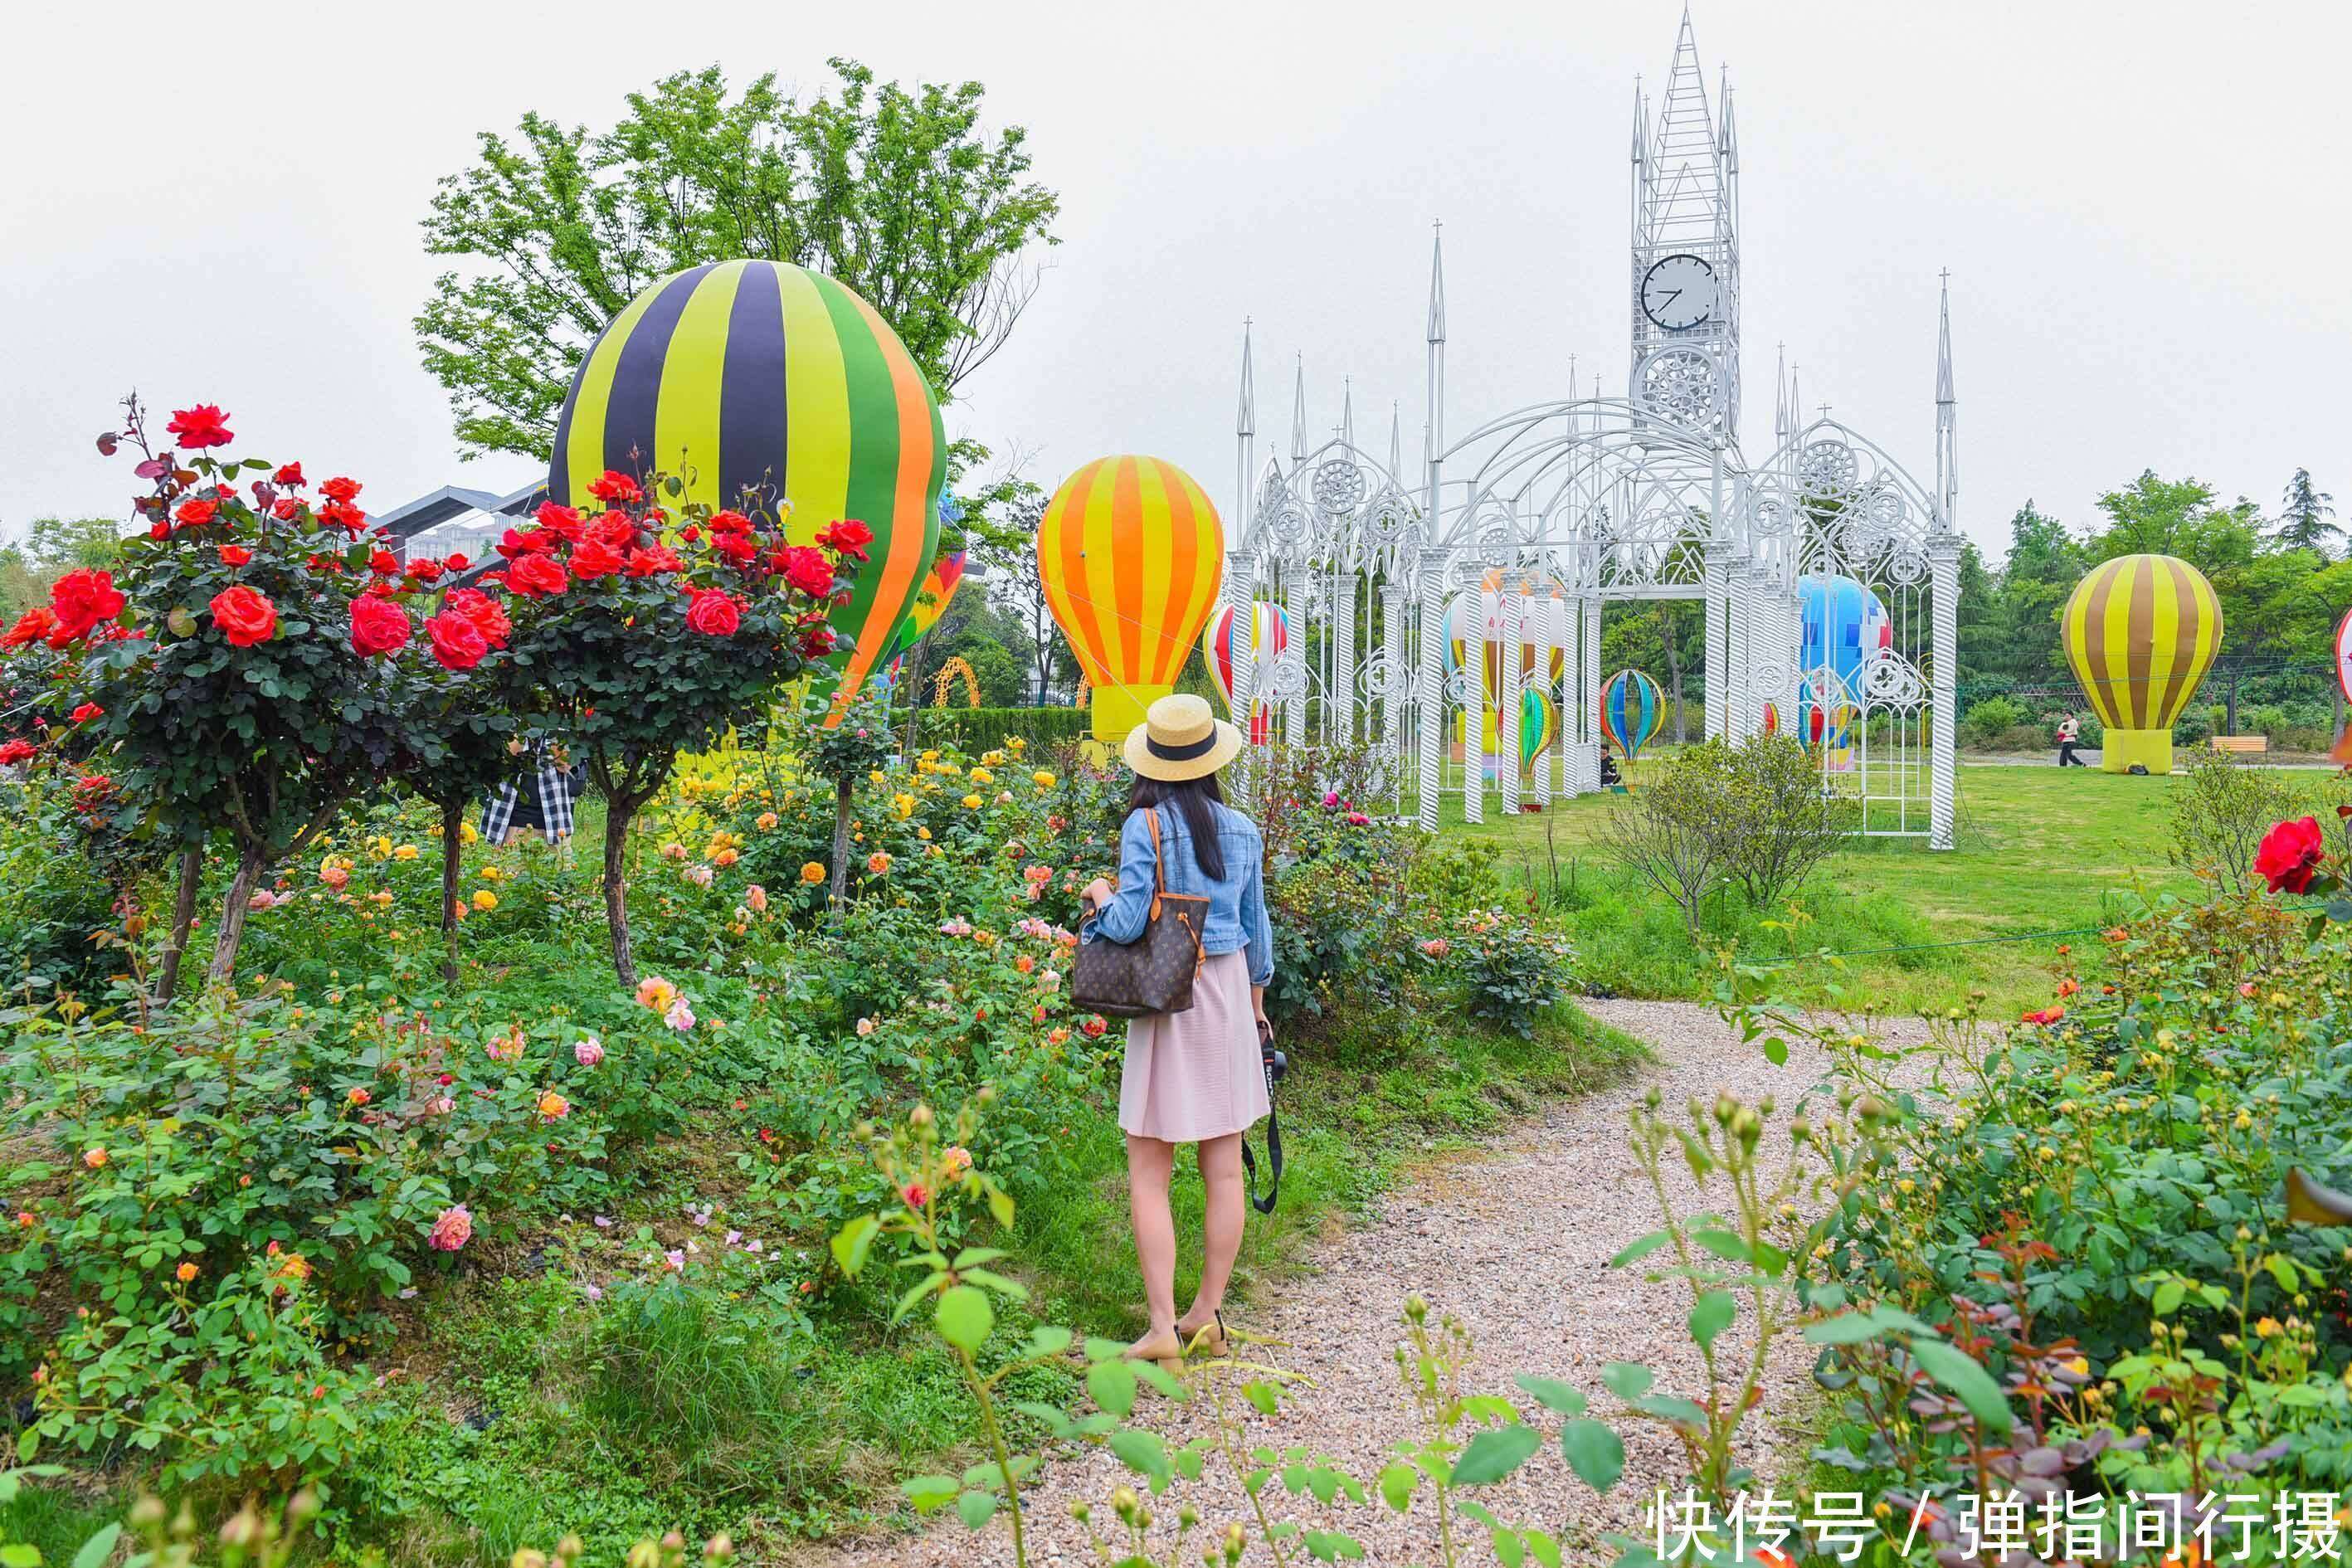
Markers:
point(532, 576)
point(423, 569)
point(690, 533)
point(82, 599)
point(738, 549)
point(340, 489)
point(847, 537)
point(484, 612)
point(286, 509)
point(563, 521)
point(653, 561)
point(456, 560)
point(615, 530)
point(378, 626)
point(2290, 854)
point(244, 616)
point(31, 627)
point(729, 523)
point(615, 486)
point(289, 476)
point(457, 642)
point(16, 752)
point(816, 642)
point(195, 513)
point(201, 427)
point(383, 563)
point(342, 514)
point(592, 560)
point(808, 571)
point(234, 555)
point(86, 712)
point(714, 613)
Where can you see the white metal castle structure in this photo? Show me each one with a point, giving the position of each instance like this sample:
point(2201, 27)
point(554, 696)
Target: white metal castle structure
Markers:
point(1830, 576)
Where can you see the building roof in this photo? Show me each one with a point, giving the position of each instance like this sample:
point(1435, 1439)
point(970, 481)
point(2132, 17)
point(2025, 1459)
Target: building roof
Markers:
point(450, 501)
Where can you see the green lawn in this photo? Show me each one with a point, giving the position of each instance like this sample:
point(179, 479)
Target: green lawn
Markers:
point(2039, 851)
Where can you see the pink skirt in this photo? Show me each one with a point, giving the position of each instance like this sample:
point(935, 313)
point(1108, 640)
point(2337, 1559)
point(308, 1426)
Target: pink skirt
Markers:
point(1195, 1075)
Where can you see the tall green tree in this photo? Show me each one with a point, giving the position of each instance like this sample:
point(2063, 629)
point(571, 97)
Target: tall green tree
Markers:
point(898, 194)
point(2303, 513)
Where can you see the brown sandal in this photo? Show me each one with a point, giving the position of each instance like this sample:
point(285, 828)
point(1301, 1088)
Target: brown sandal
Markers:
point(1165, 1349)
point(1209, 1340)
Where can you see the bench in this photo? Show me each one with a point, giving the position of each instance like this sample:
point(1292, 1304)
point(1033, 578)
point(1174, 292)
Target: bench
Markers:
point(2254, 745)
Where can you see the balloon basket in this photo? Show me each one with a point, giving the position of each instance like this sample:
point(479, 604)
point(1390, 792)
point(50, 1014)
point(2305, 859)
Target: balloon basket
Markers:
point(2120, 750)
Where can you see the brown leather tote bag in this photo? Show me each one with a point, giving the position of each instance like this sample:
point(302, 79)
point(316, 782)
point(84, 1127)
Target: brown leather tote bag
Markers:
point(1154, 973)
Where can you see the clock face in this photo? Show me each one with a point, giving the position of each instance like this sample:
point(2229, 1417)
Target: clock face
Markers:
point(1678, 292)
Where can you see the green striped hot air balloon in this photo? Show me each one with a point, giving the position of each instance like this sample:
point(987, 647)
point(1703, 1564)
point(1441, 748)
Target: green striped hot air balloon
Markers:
point(764, 377)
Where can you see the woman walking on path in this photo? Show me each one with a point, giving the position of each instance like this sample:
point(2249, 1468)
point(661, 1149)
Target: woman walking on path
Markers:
point(2070, 731)
point(1194, 1077)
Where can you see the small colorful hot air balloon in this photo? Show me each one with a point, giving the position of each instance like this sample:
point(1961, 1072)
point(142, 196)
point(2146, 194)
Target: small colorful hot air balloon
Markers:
point(761, 375)
point(1270, 636)
point(1630, 711)
point(1538, 725)
point(1493, 622)
point(2344, 655)
point(1131, 555)
point(2140, 632)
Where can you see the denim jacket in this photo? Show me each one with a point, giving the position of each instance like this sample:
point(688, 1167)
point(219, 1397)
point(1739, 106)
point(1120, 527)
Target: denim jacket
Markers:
point(1237, 917)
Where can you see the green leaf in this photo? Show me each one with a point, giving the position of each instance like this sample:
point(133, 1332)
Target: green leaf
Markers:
point(1051, 1416)
point(2283, 1272)
point(2168, 1297)
point(1398, 1483)
point(98, 1547)
point(27, 1441)
point(1049, 1340)
point(1151, 1372)
point(1641, 1249)
point(1553, 1395)
point(1968, 1382)
point(965, 1318)
point(1493, 1455)
point(1112, 1383)
point(1846, 1329)
point(976, 1508)
point(1711, 1315)
point(973, 1257)
point(1142, 1452)
point(16, 1555)
point(1329, 1546)
point(989, 1280)
point(1510, 1550)
point(1776, 1051)
point(1725, 1244)
point(1263, 1397)
point(929, 1493)
point(857, 1238)
point(1595, 1453)
point(1627, 1380)
point(1000, 1207)
point(1545, 1549)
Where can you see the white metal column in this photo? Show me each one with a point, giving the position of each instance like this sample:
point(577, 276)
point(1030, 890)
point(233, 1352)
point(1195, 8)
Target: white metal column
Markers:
point(1944, 637)
point(1432, 682)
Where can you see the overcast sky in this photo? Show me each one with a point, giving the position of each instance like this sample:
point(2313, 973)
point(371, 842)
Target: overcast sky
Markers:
point(2141, 204)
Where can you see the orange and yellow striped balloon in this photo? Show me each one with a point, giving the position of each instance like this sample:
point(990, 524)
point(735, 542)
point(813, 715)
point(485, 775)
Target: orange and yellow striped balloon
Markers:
point(2141, 631)
point(1131, 555)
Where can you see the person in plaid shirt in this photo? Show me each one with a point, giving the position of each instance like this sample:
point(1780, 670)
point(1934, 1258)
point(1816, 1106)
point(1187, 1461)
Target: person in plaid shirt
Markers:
point(548, 806)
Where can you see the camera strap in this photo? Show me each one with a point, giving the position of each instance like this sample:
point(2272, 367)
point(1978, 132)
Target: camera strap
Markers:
point(1271, 1062)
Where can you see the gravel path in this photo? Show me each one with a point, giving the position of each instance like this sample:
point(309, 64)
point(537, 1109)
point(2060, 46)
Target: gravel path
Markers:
point(1514, 1240)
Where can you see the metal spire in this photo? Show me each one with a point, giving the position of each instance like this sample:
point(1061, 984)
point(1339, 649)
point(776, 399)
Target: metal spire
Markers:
point(1437, 283)
point(1245, 424)
point(1640, 127)
point(1298, 415)
point(1780, 396)
point(1948, 410)
point(1727, 147)
point(1396, 438)
point(1348, 409)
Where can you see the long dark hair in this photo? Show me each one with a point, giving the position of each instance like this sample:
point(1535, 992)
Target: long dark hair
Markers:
point(1197, 801)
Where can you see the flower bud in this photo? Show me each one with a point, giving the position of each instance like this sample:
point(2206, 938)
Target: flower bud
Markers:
point(920, 1116)
point(720, 1548)
point(1416, 1309)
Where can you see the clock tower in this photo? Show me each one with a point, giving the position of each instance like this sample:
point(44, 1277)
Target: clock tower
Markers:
point(1685, 273)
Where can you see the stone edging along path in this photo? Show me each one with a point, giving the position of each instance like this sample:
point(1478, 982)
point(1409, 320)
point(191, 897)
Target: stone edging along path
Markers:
point(1514, 1238)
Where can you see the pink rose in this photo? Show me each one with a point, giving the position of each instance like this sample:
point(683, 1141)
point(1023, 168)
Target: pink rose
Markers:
point(589, 1052)
point(452, 1230)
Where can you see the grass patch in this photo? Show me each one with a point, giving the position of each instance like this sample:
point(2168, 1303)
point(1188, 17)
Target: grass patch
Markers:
point(2039, 851)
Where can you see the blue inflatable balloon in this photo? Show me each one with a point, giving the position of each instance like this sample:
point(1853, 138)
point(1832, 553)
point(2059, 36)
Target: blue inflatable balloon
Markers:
point(1843, 624)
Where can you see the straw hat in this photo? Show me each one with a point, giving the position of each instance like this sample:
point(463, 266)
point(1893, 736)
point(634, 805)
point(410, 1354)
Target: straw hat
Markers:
point(1181, 739)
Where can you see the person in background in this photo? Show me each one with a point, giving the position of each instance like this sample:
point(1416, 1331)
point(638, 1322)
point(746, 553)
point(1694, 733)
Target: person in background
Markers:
point(2070, 731)
point(1195, 1076)
point(541, 800)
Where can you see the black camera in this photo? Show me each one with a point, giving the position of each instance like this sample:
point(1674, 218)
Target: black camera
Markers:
point(1273, 1060)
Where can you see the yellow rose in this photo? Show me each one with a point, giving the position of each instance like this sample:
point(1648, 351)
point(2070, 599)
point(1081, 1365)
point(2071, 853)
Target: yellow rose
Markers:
point(812, 873)
point(1042, 779)
point(485, 899)
point(983, 776)
point(972, 802)
point(406, 852)
point(468, 833)
point(924, 834)
point(903, 804)
point(765, 821)
point(875, 775)
point(491, 873)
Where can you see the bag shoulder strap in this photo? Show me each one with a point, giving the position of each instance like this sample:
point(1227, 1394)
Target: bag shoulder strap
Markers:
point(1159, 871)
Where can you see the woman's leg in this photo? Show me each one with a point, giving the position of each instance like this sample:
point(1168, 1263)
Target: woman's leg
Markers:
point(1150, 1165)
point(1227, 1208)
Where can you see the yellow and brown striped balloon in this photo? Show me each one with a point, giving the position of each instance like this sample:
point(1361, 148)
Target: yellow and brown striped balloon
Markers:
point(1131, 554)
point(765, 377)
point(2140, 632)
